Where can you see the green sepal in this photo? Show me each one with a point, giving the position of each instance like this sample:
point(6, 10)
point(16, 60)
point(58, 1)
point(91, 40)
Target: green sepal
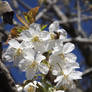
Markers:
point(43, 27)
point(19, 30)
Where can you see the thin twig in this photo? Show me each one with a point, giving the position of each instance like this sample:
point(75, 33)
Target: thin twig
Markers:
point(79, 15)
point(25, 6)
point(87, 72)
point(79, 40)
point(42, 12)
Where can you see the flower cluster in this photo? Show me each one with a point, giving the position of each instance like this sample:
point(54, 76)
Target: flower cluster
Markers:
point(44, 53)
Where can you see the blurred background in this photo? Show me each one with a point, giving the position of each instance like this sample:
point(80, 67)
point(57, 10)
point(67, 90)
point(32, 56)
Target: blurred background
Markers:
point(75, 16)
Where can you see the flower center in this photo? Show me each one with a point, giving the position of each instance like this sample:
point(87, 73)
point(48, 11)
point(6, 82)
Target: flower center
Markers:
point(31, 89)
point(62, 73)
point(35, 39)
point(62, 56)
point(52, 36)
point(18, 52)
point(33, 64)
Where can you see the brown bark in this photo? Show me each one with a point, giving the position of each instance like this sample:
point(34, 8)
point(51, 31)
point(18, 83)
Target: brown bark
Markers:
point(6, 82)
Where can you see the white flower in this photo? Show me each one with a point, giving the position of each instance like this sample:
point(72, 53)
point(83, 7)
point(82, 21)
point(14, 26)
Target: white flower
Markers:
point(29, 55)
point(62, 33)
point(19, 88)
point(54, 31)
point(51, 89)
point(27, 34)
point(64, 52)
point(43, 68)
point(50, 44)
point(66, 67)
point(31, 86)
point(35, 26)
point(46, 45)
point(37, 39)
point(67, 79)
point(63, 64)
point(54, 26)
point(14, 51)
point(14, 43)
point(62, 59)
point(32, 63)
point(41, 46)
point(33, 35)
point(58, 91)
point(61, 55)
point(9, 54)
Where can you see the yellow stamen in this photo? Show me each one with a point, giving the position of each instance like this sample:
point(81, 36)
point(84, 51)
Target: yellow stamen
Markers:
point(33, 64)
point(19, 51)
point(31, 89)
point(62, 56)
point(35, 39)
point(52, 36)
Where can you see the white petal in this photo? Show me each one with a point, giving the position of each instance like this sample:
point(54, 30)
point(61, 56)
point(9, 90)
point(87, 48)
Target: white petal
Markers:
point(23, 64)
point(26, 87)
point(35, 33)
point(35, 26)
point(35, 82)
point(44, 36)
point(39, 45)
point(51, 44)
point(68, 67)
point(70, 57)
point(29, 54)
point(53, 60)
point(17, 59)
point(54, 26)
point(20, 89)
point(75, 75)
point(14, 43)
point(31, 72)
point(54, 72)
point(25, 35)
point(26, 44)
point(39, 57)
point(9, 54)
point(59, 78)
point(43, 68)
point(68, 47)
point(57, 50)
point(40, 84)
point(59, 91)
point(58, 43)
point(63, 33)
point(8, 58)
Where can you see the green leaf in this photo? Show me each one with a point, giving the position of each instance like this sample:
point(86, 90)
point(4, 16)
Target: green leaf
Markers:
point(43, 27)
point(26, 18)
point(19, 30)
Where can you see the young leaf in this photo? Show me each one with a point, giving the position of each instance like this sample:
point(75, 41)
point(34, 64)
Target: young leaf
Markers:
point(22, 21)
point(17, 30)
point(43, 27)
point(31, 14)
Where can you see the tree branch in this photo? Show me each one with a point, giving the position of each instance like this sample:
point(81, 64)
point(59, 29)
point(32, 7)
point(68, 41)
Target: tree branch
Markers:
point(26, 6)
point(87, 72)
point(40, 14)
point(79, 40)
point(6, 82)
